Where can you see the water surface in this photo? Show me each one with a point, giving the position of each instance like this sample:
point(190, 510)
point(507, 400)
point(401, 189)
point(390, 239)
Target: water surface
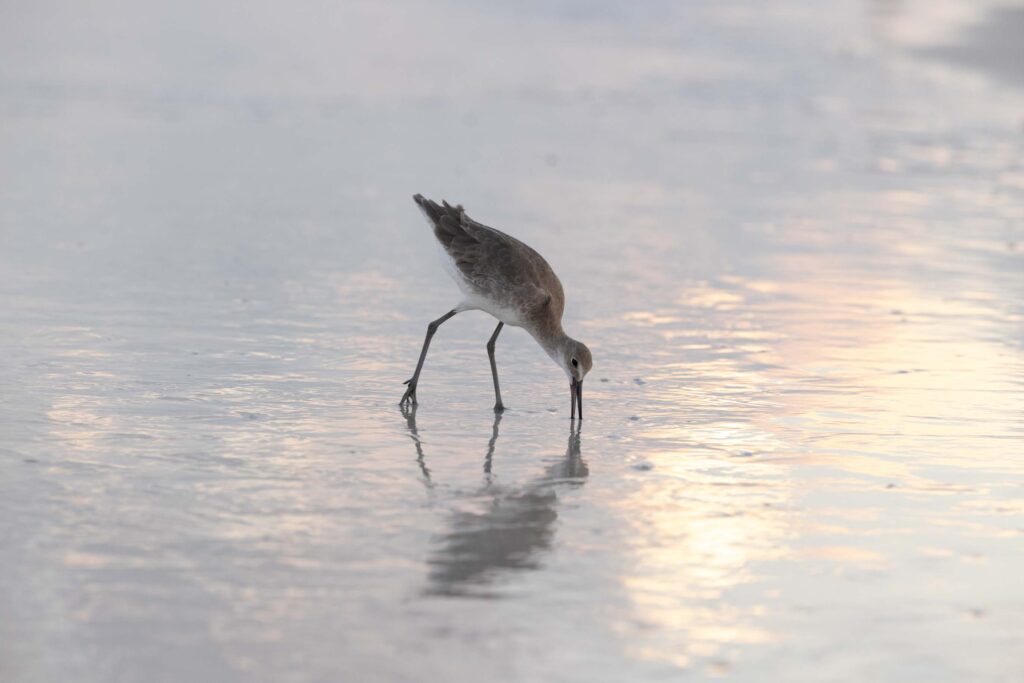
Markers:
point(792, 236)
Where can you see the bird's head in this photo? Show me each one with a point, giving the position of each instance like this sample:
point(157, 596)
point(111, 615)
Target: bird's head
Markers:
point(576, 361)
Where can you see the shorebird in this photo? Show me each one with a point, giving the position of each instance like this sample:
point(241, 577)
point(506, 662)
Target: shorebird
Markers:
point(502, 276)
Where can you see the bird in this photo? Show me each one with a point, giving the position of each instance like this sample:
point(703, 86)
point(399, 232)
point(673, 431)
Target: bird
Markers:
point(506, 278)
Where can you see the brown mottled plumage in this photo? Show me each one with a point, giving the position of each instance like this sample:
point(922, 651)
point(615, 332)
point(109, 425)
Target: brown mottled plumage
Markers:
point(508, 279)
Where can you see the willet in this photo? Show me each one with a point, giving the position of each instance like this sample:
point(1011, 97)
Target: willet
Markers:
point(502, 276)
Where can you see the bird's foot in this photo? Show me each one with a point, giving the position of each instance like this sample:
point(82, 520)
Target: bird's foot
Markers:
point(409, 397)
point(499, 408)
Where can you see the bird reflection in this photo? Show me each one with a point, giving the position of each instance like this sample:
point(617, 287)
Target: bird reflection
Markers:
point(414, 434)
point(510, 528)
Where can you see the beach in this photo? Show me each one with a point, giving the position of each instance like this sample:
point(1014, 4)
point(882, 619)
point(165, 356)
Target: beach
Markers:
point(792, 237)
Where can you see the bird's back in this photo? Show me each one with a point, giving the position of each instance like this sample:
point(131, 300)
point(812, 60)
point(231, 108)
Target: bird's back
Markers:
point(499, 269)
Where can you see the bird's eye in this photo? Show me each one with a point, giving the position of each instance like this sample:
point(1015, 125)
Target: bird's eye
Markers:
point(575, 362)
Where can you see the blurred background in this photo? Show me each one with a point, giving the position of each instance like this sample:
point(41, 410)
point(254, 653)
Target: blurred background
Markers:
point(792, 233)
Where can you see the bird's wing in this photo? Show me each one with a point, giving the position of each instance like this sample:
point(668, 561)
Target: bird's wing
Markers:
point(485, 255)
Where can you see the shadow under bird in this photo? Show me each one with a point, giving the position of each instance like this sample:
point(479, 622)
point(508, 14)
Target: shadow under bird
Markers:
point(502, 276)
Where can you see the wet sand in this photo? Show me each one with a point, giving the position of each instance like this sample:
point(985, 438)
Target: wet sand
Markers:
point(792, 238)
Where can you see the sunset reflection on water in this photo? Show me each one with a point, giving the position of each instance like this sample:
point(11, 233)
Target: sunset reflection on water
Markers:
point(791, 234)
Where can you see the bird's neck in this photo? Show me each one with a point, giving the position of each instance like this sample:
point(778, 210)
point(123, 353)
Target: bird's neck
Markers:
point(553, 340)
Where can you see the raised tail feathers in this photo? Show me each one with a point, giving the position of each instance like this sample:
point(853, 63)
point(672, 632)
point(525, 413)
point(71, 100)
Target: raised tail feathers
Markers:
point(437, 212)
point(448, 221)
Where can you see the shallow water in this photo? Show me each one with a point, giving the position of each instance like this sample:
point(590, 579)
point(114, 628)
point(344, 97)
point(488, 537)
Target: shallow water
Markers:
point(792, 237)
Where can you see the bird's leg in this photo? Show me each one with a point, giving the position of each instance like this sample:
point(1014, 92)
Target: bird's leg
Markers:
point(498, 407)
point(410, 393)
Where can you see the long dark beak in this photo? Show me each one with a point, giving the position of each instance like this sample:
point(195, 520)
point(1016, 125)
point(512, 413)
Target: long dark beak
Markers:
point(576, 395)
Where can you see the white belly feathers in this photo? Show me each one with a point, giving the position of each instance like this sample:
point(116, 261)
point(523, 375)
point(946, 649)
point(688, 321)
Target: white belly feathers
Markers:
point(473, 299)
